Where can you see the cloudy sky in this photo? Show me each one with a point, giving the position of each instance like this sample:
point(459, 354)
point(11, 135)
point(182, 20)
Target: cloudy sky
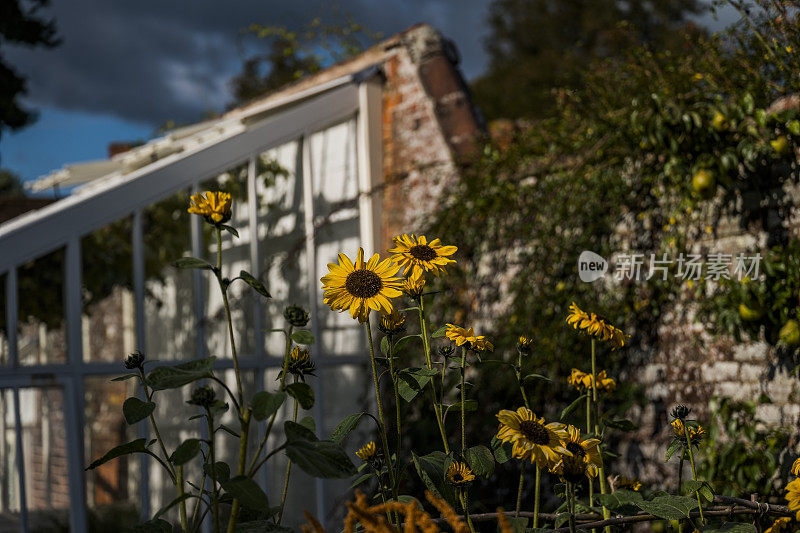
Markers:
point(125, 67)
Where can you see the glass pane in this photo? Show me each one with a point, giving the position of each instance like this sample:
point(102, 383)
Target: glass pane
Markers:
point(281, 234)
point(169, 318)
point(45, 454)
point(112, 488)
point(42, 326)
point(236, 257)
point(9, 473)
point(4, 357)
point(108, 308)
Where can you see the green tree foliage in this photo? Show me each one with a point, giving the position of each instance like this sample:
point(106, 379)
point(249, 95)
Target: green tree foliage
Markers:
point(536, 46)
point(10, 185)
point(20, 24)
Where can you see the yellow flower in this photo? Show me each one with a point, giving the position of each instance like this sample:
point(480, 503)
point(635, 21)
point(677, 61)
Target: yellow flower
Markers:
point(214, 206)
point(579, 457)
point(300, 363)
point(392, 323)
point(361, 286)
point(793, 496)
point(366, 452)
point(459, 473)
point(413, 284)
point(596, 326)
point(623, 482)
point(583, 381)
point(779, 525)
point(532, 438)
point(524, 344)
point(467, 337)
point(796, 467)
point(420, 255)
point(696, 434)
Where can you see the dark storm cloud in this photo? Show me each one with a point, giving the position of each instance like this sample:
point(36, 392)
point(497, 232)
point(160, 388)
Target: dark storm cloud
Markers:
point(155, 60)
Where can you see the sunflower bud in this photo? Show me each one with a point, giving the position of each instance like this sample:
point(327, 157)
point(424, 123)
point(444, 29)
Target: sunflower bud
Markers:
point(446, 351)
point(524, 345)
point(203, 397)
point(134, 360)
point(300, 363)
point(296, 316)
point(680, 412)
point(392, 323)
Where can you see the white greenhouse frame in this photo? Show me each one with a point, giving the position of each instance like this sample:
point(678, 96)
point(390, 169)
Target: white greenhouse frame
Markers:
point(65, 222)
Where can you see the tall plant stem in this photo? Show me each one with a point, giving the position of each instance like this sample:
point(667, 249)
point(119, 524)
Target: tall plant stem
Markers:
point(149, 395)
point(462, 494)
point(694, 471)
point(463, 400)
point(519, 490)
point(589, 430)
point(427, 347)
point(224, 291)
point(199, 501)
point(184, 522)
point(536, 497)
point(603, 487)
point(571, 506)
point(396, 388)
point(288, 470)
point(214, 491)
point(384, 440)
point(240, 470)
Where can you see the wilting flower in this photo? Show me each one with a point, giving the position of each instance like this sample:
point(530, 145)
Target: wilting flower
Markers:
point(467, 337)
point(622, 482)
point(203, 397)
point(580, 457)
point(420, 255)
point(392, 323)
point(134, 360)
point(296, 316)
point(596, 326)
point(215, 207)
point(696, 434)
point(524, 345)
point(300, 363)
point(796, 467)
point(583, 381)
point(779, 525)
point(793, 496)
point(459, 473)
point(532, 438)
point(413, 284)
point(361, 286)
point(680, 412)
point(367, 452)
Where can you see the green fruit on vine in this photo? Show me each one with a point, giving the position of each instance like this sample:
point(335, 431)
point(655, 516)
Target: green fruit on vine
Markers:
point(704, 183)
point(719, 122)
point(790, 333)
point(750, 313)
point(780, 145)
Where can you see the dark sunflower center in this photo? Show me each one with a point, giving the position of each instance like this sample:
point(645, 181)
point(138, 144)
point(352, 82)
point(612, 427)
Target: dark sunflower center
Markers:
point(576, 449)
point(457, 477)
point(363, 283)
point(534, 432)
point(423, 252)
point(574, 469)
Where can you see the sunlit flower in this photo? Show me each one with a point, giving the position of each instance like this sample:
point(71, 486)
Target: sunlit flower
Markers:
point(532, 438)
point(467, 337)
point(392, 323)
point(696, 434)
point(459, 473)
point(626, 483)
point(579, 457)
point(367, 452)
point(584, 382)
point(413, 284)
point(361, 286)
point(596, 326)
point(215, 207)
point(796, 467)
point(779, 525)
point(420, 255)
point(793, 496)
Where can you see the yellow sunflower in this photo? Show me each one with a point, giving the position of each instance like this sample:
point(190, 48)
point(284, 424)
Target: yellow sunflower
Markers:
point(361, 286)
point(580, 457)
point(300, 363)
point(214, 206)
point(531, 436)
point(596, 326)
point(366, 452)
point(413, 284)
point(696, 434)
point(392, 323)
point(467, 337)
point(796, 467)
point(622, 482)
point(781, 524)
point(459, 473)
point(524, 344)
point(583, 381)
point(420, 255)
point(793, 496)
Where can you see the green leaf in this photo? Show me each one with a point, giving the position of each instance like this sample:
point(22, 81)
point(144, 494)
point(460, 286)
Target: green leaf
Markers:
point(319, 458)
point(518, 525)
point(439, 332)
point(385, 346)
point(135, 410)
point(480, 460)
point(303, 336)
point(157, 525)
point(400, 344)
point(430, 469)
point(619, 499)
point(173, 503)
point(674, 446)
point(125, 377)
point(732, 527)
point(691, 486)
point(361, 479)
point(230, 229)
point(230, 431)
point(345, 427)
point(173, 377)
point(622, 424)
point(412, 381)
point(185, 452)
point(308, 422)
point(260, 288)
point(265, 404)
point(530, 378)
point(262, 526)
point(247, 492)
point(136, 446)
point(669, 507)
point(303, 393)
point(469, 406)
point(574, 405)
point(295, 431)
point(501, 450)
point(221, 470)
point(192, 262)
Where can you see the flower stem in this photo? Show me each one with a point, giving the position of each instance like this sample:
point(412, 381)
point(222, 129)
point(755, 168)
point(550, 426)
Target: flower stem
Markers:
point(149, 395)
point(214, 492)
point(288, 470)
point(199, 500)
point(184, 522)
point(240, 471)
point(396, 388)
point(602, 476)
point(465, 505)
point(224, 291)
point(571, 506)
point(536, 497)
point(427, 347)
point(694, 472)
point(463, 400)
point(519, 490)
point(589, 430)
